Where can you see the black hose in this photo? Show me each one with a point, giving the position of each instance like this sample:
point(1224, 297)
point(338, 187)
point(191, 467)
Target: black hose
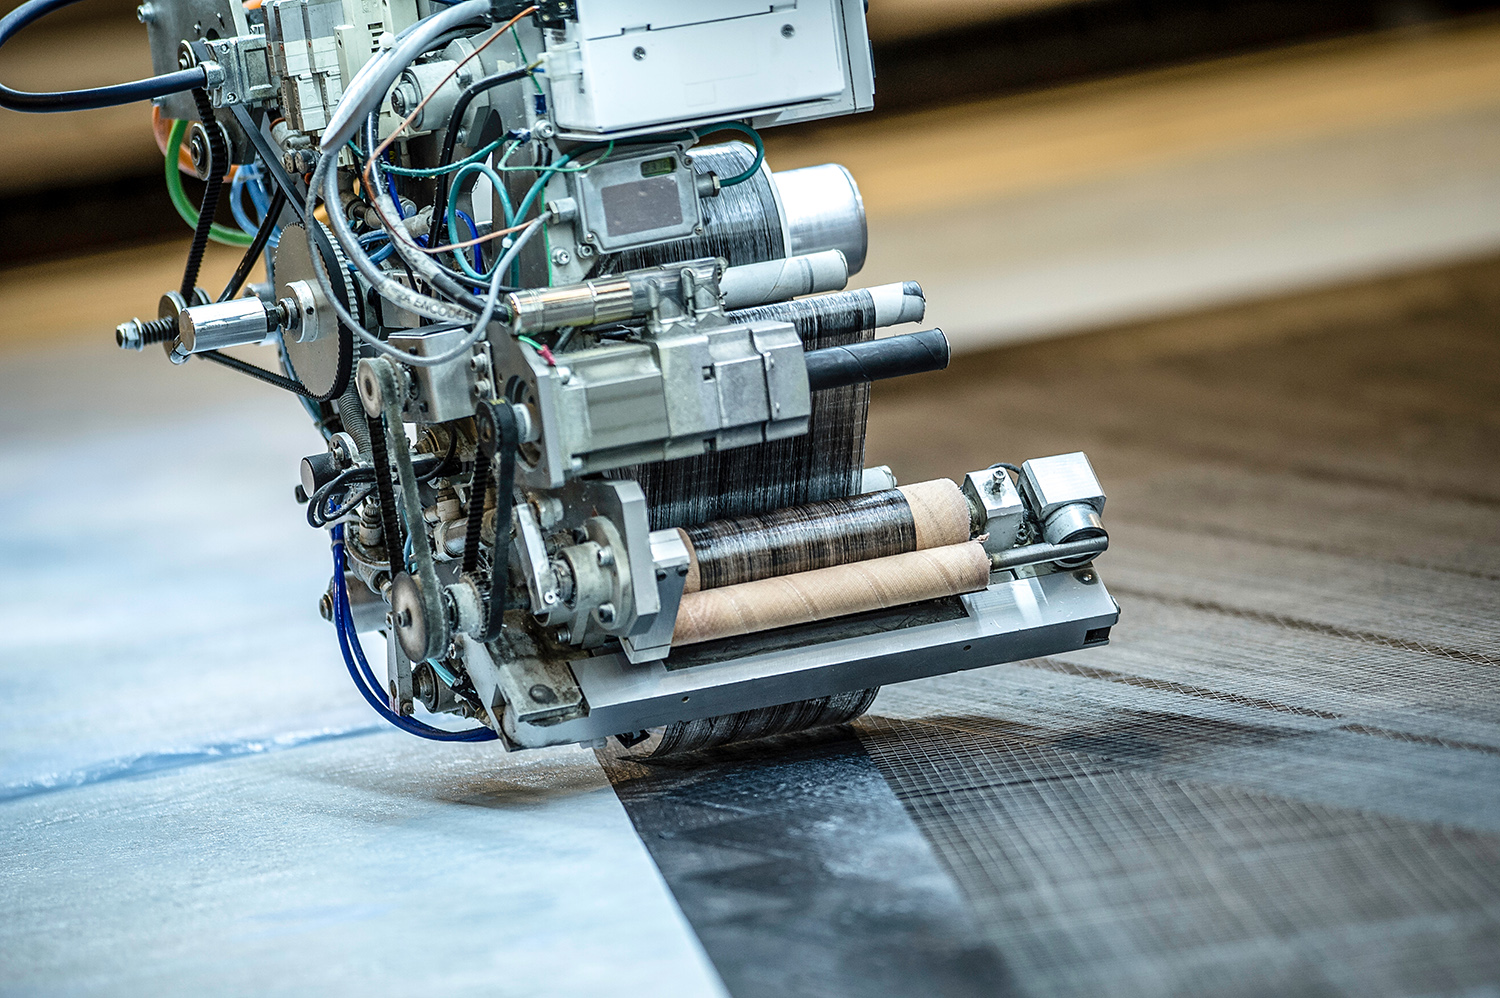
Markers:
point(257, 245)
point(450, 139)
point(218, 165)
point(82, 100)
point(874, 360)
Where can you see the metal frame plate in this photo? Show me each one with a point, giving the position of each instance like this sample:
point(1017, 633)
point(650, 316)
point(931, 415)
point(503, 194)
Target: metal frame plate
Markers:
point(1009, 621)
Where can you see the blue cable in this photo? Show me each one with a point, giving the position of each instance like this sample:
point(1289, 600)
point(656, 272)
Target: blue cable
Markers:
point(237, 201)
point(369, 239)
point(474, 234)
point(355, 661)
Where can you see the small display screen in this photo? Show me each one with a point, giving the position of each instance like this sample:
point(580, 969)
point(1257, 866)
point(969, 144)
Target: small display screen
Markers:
point(659, 167)
point(641, 205)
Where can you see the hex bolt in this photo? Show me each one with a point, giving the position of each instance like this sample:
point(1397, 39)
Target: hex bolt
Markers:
point(137, 335)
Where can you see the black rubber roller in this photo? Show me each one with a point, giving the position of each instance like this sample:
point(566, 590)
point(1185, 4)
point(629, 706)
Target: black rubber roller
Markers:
point(875, 360)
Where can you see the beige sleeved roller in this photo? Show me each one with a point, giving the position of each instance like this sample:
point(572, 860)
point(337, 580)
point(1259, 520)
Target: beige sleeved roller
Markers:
point(939, 512)
point(831, 592)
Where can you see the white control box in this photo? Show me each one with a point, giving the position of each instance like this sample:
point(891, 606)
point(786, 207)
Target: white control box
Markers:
point(630, 67)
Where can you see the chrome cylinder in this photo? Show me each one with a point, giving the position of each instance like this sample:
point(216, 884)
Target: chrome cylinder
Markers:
point(239, 322)
point(824, 211)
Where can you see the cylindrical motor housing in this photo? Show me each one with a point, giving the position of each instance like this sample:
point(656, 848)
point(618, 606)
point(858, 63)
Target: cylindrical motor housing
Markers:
point(823, 210)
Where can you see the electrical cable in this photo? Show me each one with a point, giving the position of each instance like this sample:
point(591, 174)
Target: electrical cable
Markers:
point(373, 81)
point(760, 149)
point(481, 324)
point(403, 243)
point(455, 121)
point(474, 233)
point(82, 100)
point(382, 283)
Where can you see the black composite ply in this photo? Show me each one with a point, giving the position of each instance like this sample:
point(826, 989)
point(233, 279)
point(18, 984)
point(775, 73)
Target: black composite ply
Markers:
point(802, 874)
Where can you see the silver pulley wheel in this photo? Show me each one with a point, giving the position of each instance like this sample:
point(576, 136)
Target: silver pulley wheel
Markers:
point(318, 351)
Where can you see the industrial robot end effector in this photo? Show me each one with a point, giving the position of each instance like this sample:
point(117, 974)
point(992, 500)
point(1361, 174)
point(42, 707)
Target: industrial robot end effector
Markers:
point(593, 390)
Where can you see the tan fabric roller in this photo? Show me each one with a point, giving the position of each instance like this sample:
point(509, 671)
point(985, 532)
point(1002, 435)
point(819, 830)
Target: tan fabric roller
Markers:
point(939, 511)
point(831, 592)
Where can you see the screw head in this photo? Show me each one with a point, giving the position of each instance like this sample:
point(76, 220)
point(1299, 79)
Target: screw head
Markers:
point(606, 613)
point(787, 31)
point(542, 693)
point(585, 251)
point(561, 257)
point(638, 53)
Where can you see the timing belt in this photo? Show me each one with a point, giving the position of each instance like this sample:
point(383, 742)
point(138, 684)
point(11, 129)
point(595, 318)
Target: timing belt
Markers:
point(296, 200)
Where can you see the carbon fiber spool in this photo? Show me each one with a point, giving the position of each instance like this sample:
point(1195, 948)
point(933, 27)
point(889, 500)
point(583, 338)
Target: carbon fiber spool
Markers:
point(800, 539)
point(839, 313)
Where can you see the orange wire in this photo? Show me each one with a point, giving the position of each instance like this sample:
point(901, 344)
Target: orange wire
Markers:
point(475, 242)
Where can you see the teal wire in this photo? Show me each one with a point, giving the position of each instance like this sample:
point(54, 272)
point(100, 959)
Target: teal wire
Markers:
point(760, 148)
point(438, 171)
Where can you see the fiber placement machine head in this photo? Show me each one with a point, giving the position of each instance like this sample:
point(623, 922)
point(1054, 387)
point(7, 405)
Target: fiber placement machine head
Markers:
point(592, 389)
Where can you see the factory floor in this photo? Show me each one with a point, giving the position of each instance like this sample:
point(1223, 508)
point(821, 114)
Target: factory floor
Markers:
point(1280, 776)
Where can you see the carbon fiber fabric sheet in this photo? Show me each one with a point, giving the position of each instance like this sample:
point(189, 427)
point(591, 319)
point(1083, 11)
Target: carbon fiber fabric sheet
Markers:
point(1283, 774)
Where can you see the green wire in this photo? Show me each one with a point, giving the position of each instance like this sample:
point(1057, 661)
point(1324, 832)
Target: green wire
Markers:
point(547, 249)
point(531, 343)
point(218, 233)
point(760, 148)
point(524, 61)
